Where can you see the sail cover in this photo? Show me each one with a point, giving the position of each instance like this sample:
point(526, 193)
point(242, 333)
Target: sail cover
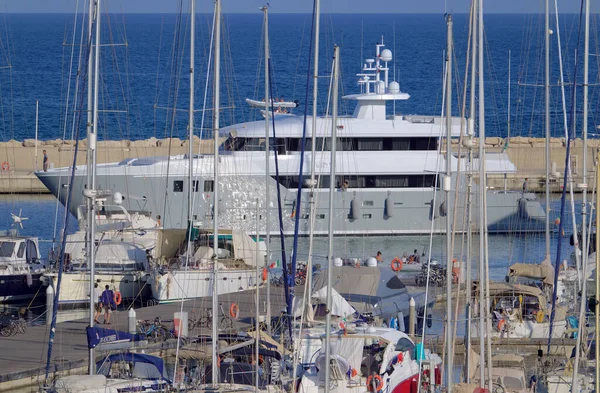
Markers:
point(98, 335)
point(543, 271)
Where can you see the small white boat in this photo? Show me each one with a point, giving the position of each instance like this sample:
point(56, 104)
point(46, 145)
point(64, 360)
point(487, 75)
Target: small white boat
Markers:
point(274, 102)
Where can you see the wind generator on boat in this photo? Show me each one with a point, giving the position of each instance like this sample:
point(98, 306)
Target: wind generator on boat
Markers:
point(387, 166)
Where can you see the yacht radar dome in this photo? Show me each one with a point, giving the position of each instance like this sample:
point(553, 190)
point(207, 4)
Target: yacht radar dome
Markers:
point(386, 55)
point(370, 61)
point(394, 87)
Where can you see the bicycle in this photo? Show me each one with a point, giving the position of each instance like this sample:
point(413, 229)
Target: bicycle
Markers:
point(202, 321)
point(225, 321)
point(153, 330)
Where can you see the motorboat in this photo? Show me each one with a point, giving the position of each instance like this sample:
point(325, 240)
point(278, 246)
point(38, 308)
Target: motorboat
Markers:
point(123, 244)
point(386, 168)
point(21, 267)
point(366, 358)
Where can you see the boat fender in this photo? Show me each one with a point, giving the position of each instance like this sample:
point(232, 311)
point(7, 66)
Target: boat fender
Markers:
point(396, 264)
point(29, 280)
point(501, 324)
point(354, 209)
point(389, 207)
point(374, 380)
point(265, 274)
point(234, 311)
point(118, 298)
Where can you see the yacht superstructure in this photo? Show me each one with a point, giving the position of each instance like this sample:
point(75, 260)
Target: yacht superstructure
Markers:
point(386, 169)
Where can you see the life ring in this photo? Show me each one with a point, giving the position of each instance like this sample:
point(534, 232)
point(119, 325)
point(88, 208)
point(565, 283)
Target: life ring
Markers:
point(396, 264)
point(5, 166)
point(501, 324)
point(234, 310)
point(265, 274)
point(118, 298)
point(379, 384)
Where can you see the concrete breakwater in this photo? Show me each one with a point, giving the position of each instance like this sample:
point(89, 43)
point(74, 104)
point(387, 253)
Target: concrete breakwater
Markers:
point(19, 160)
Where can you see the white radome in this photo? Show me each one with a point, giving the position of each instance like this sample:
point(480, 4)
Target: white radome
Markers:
point(394, 87)
point(386, 55)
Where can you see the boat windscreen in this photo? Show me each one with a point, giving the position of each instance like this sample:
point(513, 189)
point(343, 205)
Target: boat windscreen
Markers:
point(6, 249)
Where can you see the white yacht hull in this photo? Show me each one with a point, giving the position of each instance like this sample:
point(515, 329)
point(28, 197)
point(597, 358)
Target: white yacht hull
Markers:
point(525, 329)
point(75, 286)
point(176, 285)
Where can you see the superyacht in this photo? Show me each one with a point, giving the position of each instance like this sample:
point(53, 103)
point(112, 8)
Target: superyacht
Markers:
point(387, 172)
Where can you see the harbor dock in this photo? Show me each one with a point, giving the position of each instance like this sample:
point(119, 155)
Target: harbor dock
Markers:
point(19, 160)
point(23, 359)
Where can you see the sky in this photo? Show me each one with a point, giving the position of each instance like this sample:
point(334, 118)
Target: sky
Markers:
point(292, 6)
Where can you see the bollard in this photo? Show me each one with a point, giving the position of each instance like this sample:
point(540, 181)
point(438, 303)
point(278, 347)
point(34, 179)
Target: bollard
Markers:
point(131, 317)
point(411, 317)
point(49, 304)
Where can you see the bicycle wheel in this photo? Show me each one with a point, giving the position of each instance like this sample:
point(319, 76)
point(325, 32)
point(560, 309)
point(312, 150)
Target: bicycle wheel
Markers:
point(14, 329)
point(5, 331)
point(225, 323)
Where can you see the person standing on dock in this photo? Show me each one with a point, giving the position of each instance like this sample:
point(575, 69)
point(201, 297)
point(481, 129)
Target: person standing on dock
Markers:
point(97, 294)
point(108, 302)
point(379, 256)
point(45, 162)
point(526, 185)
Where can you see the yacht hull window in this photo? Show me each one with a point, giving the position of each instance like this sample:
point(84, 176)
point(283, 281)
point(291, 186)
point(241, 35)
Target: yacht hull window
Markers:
point(369, 181)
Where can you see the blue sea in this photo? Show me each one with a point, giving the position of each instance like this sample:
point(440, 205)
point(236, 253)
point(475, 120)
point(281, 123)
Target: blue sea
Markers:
point(145, 68)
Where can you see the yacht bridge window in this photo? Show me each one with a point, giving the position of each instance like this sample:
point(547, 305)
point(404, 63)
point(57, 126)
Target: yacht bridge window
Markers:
point(285, 145)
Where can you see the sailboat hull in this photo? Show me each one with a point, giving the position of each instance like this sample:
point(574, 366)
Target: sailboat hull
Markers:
point(75, 286)
point(192, 284)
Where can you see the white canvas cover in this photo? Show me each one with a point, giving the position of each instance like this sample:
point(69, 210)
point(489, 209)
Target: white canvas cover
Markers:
point(245, 248)
point(339, 306)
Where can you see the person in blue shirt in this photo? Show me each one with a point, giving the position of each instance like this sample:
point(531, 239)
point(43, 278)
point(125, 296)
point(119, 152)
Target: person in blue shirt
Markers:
point(108, 302)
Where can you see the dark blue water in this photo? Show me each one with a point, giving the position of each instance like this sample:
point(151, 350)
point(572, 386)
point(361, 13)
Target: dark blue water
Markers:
point(150, 72)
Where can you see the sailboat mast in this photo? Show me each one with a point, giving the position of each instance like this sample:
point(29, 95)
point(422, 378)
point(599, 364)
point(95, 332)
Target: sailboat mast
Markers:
point(268, 179)
point(471, 133)
point(92, 152)
point(597, 307)
point(334, 109)
point(482, 207)
point(547, 123)
point(447, 187)
point(191, 185)
point(215, 293)
point(313, 140)
point(583, 186)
